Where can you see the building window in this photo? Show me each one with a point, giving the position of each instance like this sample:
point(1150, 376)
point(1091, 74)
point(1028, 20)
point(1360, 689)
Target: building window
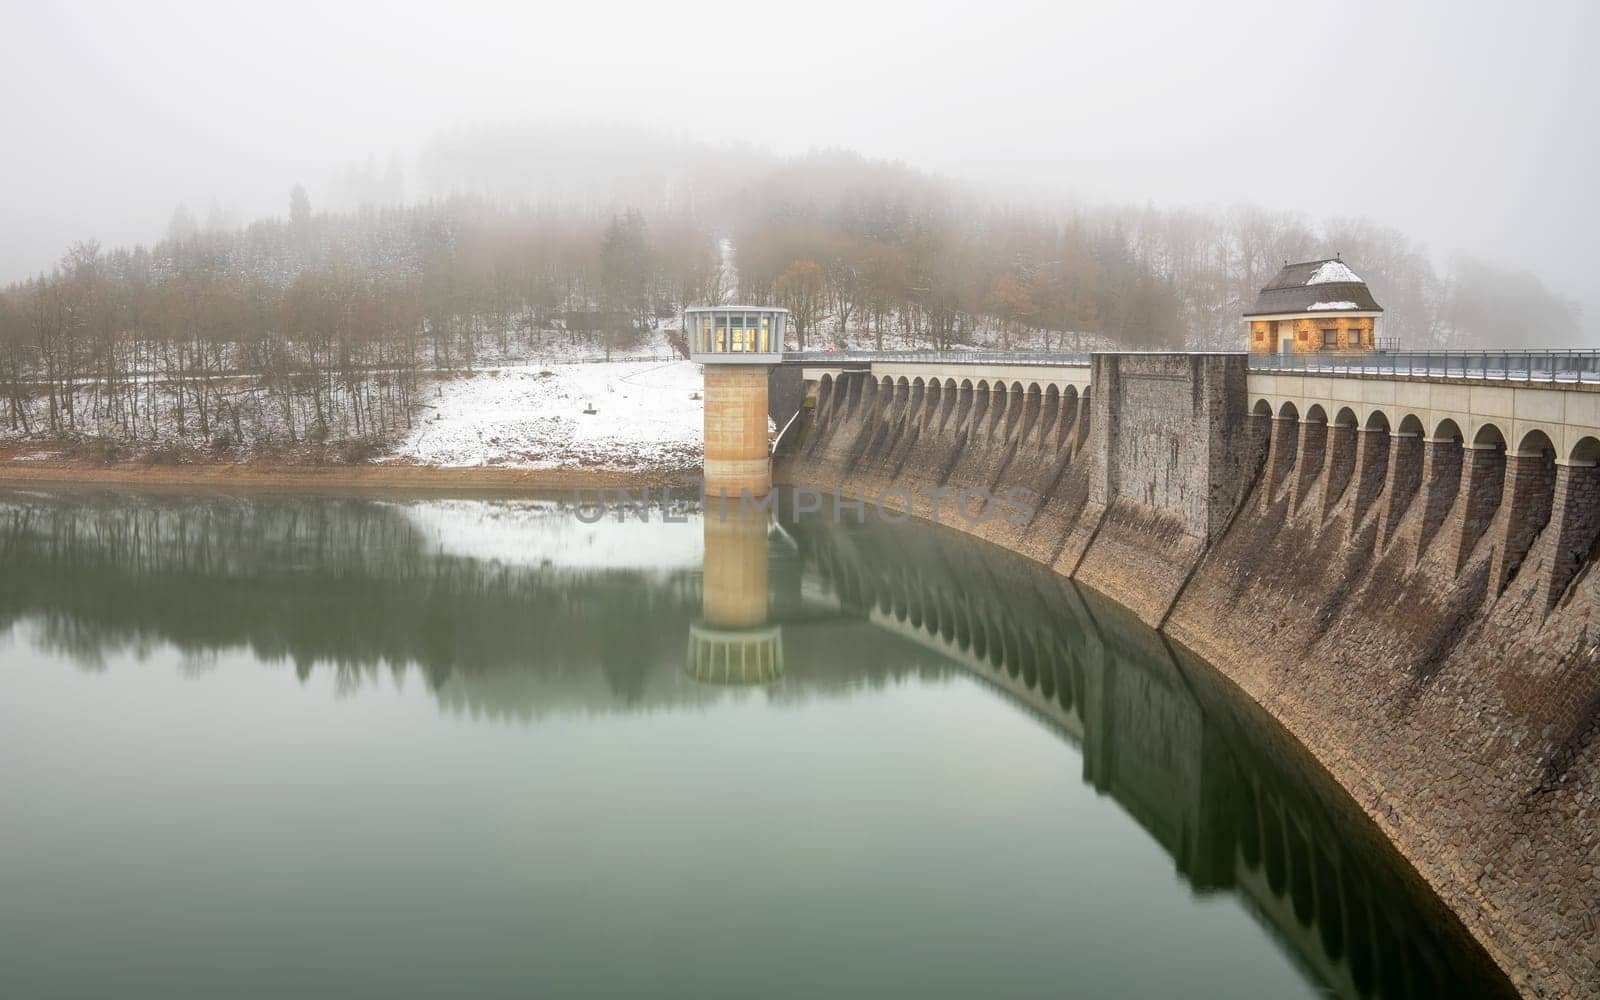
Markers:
point(1330, 340)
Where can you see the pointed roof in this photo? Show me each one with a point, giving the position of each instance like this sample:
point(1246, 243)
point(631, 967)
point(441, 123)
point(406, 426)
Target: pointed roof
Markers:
point(1314, 286)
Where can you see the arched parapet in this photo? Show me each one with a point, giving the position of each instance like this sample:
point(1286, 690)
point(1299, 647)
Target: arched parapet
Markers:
point(949, 397)
point(1575, 516)
point(1584, 452)
point(1487, 434)
point(1282, 447)
point(1050, 425)
point(1341, 442)
point(1441, 481)
point(1528, 499)
point(1310, 453)
point(967, 396)
point(1403, 478)
point(1565, 413)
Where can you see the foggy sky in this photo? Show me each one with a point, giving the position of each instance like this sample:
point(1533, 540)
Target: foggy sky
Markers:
point(1469, 125)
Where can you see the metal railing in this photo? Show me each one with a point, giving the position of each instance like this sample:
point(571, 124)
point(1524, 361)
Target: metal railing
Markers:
point(1515, 366)
point(940, 357)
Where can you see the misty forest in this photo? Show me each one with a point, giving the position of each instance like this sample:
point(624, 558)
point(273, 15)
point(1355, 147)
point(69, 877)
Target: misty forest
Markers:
point(321, 328)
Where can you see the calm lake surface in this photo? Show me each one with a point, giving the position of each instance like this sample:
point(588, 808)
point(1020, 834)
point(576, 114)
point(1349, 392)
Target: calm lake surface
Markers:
point(346, 747)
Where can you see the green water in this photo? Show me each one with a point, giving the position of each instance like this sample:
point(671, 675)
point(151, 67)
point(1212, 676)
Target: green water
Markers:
point(344, 747)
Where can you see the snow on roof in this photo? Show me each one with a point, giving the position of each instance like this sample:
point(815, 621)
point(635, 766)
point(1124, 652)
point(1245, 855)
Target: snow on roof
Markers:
point(1330, 305)
point(1332, 271)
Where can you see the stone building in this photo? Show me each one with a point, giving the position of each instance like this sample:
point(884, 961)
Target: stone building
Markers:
point(1315, 306)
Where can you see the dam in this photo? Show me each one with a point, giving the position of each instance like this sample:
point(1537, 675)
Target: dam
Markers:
point(1393, 556)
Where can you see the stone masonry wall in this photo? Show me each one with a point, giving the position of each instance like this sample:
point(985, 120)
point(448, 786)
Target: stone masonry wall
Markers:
point(1426, 621)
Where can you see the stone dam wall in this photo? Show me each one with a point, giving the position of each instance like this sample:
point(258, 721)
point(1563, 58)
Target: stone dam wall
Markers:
point(1418, 611)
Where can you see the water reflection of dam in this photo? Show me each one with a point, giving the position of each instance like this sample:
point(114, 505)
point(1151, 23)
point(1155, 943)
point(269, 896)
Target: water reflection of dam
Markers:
point(1238, 808)
point(361, 587)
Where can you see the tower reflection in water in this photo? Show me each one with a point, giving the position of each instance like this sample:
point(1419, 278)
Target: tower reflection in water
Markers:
point(733, 643)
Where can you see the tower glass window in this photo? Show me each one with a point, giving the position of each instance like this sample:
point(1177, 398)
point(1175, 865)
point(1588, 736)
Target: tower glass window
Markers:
point(735, 334)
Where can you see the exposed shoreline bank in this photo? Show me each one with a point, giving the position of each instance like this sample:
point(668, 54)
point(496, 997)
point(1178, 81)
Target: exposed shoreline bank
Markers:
point(290, 477)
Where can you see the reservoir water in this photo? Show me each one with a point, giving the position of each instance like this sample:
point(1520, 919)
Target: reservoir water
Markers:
point(282, 746)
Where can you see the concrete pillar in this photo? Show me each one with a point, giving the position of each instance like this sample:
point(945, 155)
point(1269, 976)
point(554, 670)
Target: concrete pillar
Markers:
point(1280, 454)
point(1575, 519)
point(736, 444)
point(1340, 463)
point(1441, 482)
point(1483, 470)
point(1525, 505)
point(1400, 485)
point(1312, 448)
point(1372, 470)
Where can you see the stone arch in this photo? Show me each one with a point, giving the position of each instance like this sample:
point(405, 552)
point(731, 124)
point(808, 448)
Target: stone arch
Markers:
point(823, 407)
point(963, 401)
point(917, 382)
point(1034, 413)
point(1535, 442)
point(1488, 435)
point(1371, 465)
point(869, 391)
point(1442, 469)
point(1311, 455)
point(1585, 452)
point(931, 398)
point(1341, 443)
point(1262, 408)
point(947, 400)
point(1050, 415)
point(1283, 442)
point(1403, 477)
point(1530, 497)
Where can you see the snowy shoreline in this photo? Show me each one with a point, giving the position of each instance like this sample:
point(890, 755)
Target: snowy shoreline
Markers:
point(621, 415)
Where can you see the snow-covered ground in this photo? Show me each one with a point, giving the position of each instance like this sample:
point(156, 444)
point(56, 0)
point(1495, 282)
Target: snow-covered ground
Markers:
point(532, 416)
